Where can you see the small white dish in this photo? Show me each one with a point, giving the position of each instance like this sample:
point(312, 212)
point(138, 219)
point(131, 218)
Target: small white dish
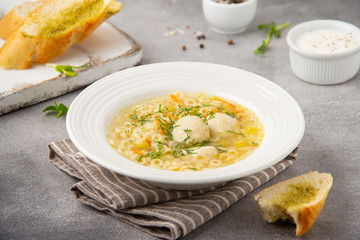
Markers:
point(92, 110)
point(229, 18)
point(323, 68)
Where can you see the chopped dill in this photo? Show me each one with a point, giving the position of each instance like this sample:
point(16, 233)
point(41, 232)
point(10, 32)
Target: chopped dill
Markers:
point(238, 133)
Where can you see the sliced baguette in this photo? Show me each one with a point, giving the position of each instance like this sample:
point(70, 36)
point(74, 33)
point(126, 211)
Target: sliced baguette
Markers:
point(49, 30)
point(13, 19)
point(298, 199)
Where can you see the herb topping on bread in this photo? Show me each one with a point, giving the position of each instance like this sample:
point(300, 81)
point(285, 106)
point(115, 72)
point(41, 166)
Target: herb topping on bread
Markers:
point(299, 199)
point(50, 29)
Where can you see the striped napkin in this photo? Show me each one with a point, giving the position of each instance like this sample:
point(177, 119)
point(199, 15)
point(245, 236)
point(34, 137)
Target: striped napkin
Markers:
point(167, 214)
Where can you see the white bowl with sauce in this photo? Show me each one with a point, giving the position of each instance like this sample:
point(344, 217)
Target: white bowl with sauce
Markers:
point(90, 114)
point(229, 18)
point(324, 52)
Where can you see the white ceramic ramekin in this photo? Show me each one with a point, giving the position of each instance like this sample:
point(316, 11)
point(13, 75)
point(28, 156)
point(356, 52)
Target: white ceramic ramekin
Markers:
point(323, 68)
point(229, 18)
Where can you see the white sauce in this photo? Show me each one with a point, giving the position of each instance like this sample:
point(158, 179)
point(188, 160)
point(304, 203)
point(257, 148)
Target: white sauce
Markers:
point(327, 41)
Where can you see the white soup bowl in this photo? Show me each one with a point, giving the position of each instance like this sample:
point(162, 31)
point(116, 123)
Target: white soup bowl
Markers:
point(90, 114)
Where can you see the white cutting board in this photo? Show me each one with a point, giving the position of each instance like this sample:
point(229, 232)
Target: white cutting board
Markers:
point(107, 48)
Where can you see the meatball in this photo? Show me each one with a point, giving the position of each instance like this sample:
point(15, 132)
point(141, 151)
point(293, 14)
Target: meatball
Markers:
point(207, 151)
point(220, 124)
point(191, 126)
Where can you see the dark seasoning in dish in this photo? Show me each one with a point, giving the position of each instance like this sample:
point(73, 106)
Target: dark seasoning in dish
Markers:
point(229, 1)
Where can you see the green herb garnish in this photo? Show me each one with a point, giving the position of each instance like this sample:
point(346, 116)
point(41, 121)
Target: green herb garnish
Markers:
point(273, 30)
point(61, 109)
point(156, 153)
point(183, 148)
point(220, 150)
point(238, 133)
point(134, 116)
point(187, 131)
point(192, 111)
point(211, 116)
point(66, 69)
point(167, 125)
point(141, 120)
point(231, 114)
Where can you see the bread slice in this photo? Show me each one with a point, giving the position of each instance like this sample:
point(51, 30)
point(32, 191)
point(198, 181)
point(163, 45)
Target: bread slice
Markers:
point(49, 30)
point(16, 17)
point(298, 199)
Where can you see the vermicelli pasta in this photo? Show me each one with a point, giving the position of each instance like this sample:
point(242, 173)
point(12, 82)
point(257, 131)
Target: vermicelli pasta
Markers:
point(186, 132)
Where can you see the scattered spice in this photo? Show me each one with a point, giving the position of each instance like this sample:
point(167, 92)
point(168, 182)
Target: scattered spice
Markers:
point(201, 36)
point(184, 48)
point(202, 45)
point(326, 41)
point(174, 32)
point(230, 41)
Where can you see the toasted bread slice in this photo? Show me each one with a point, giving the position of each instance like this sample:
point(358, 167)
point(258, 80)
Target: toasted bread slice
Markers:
point(50, 29)
point(298, 199)
point(13, 19)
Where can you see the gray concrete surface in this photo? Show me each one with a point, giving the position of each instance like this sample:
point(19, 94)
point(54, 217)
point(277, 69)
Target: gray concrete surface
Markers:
point(35, 200)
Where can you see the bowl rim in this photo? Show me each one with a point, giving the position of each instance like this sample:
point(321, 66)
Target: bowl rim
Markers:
point(327, 23)
point(222, 5)
point(186, 177)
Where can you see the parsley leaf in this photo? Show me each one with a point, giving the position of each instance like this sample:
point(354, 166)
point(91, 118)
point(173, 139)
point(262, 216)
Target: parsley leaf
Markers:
point(273, 30)
point(61, 109)
point(66, 69)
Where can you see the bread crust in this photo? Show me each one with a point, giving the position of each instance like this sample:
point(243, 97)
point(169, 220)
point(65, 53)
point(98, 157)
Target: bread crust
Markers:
point(305, 215)
point(20, 50)
point(9, 23)
point(12, 20)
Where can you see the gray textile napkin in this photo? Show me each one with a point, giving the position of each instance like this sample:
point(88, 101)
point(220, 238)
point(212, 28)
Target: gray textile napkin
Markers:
point(167, 214)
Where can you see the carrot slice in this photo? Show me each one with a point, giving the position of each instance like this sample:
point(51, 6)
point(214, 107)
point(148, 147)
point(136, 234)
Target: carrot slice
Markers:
point(174, 98)
point(161, 131)
point(148, 141)
point(224, 101)
point(137, 152)
point(158, 125)
point(170, 115)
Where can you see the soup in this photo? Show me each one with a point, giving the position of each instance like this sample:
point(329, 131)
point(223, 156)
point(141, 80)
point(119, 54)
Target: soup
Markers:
point(186, 132)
